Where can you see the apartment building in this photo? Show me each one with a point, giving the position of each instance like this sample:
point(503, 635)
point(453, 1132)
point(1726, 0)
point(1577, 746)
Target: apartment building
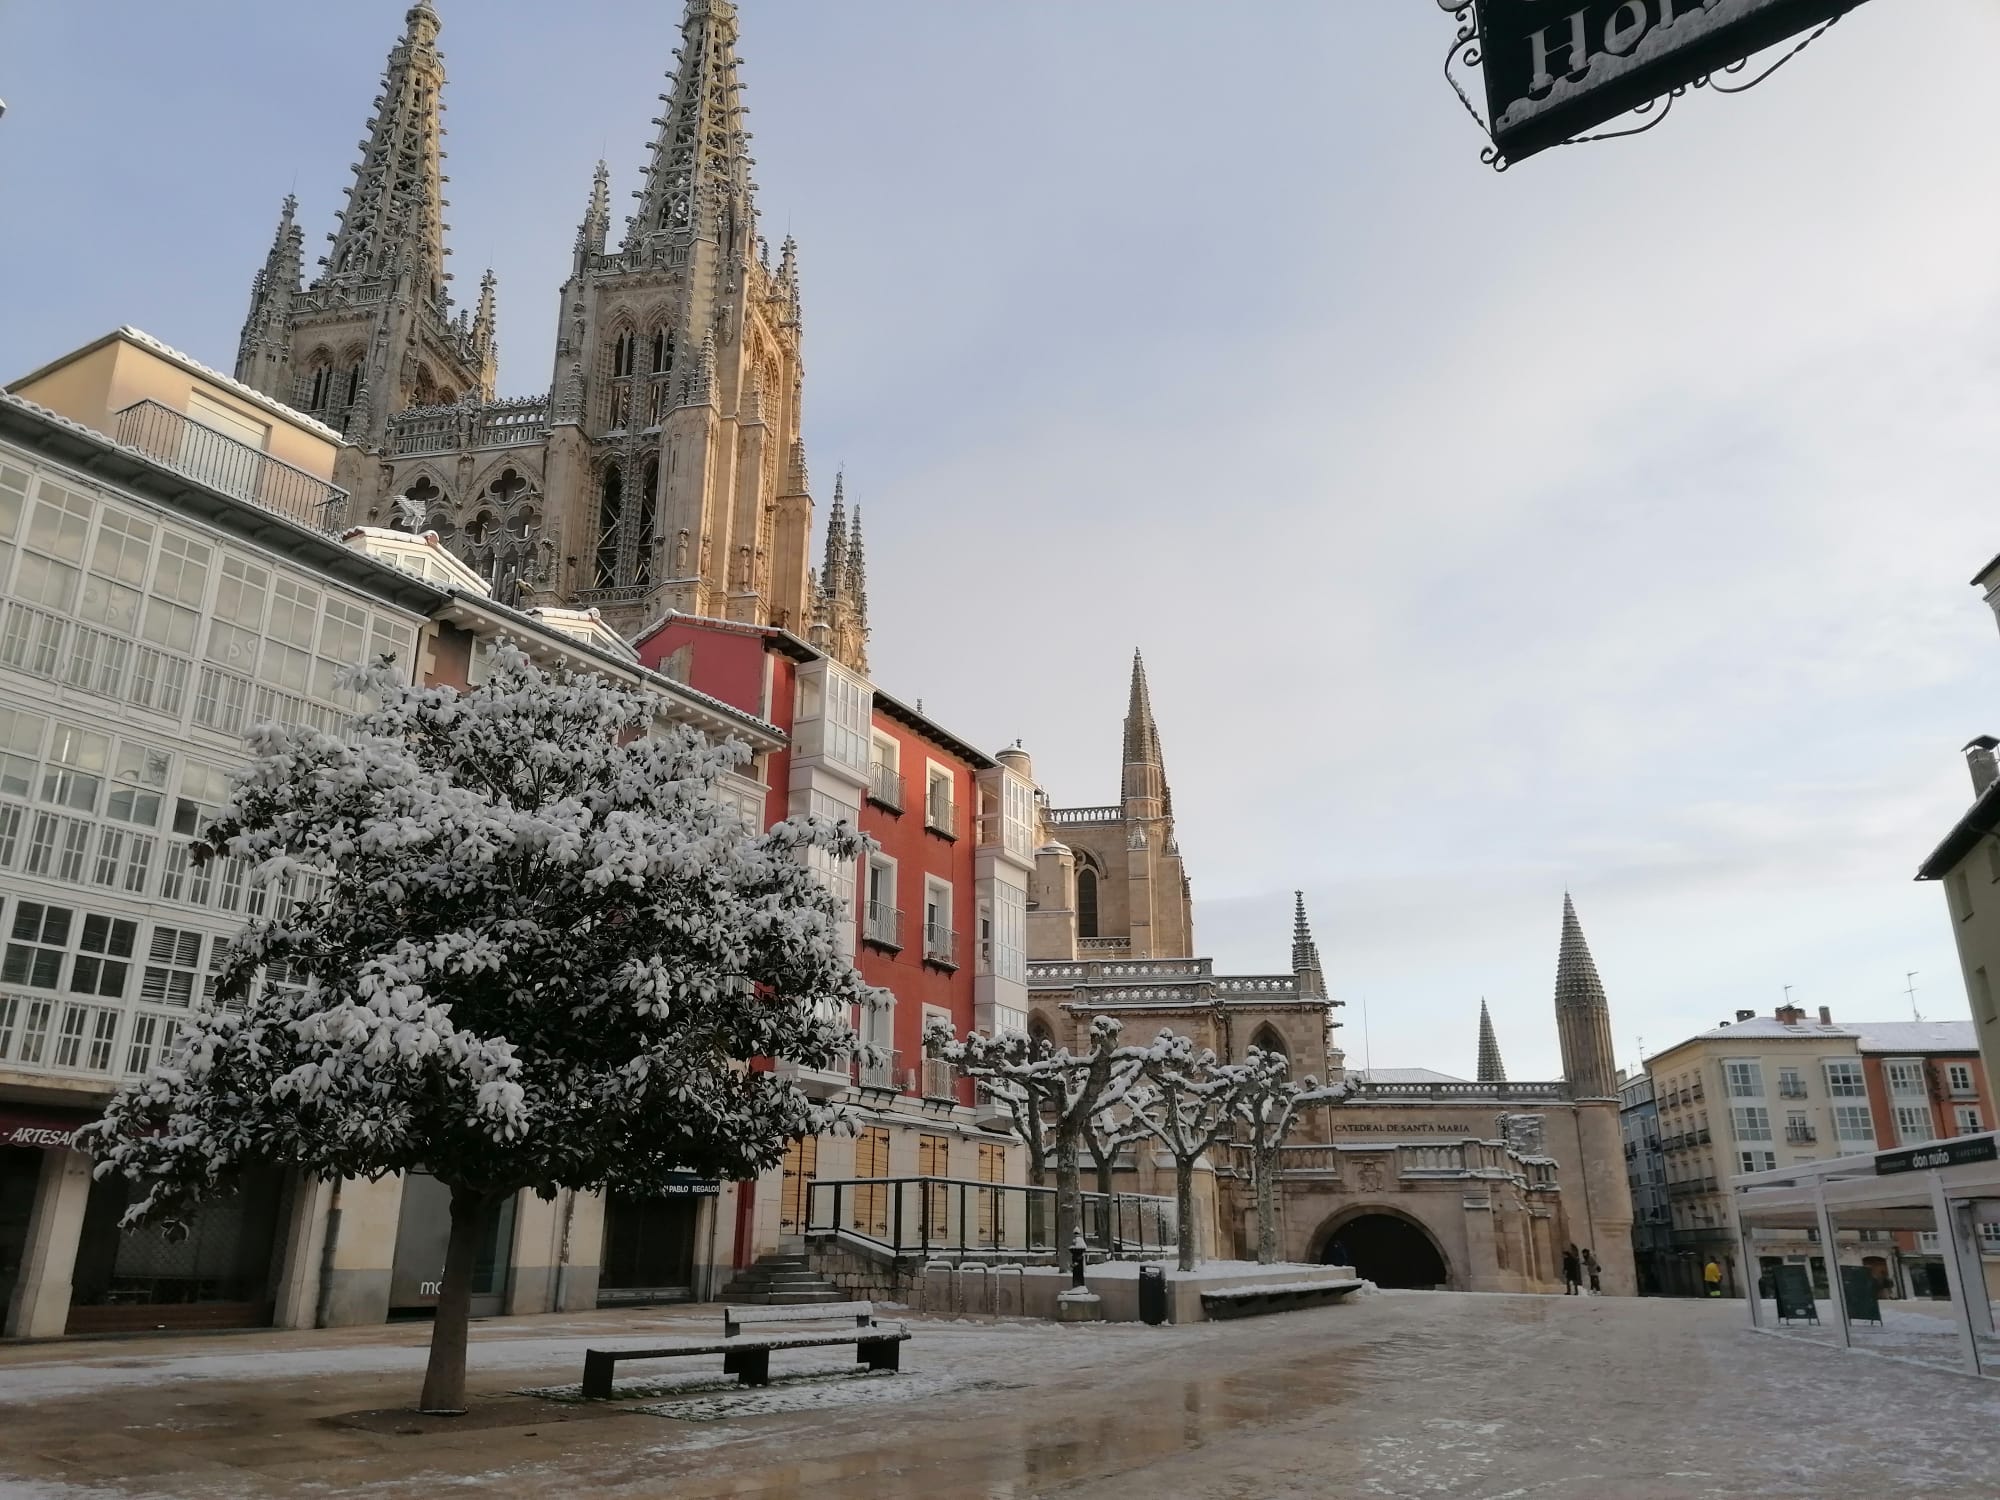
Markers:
point(937, 922)
point(175, 567)
point(1646, 1174)
point(1762, 1092)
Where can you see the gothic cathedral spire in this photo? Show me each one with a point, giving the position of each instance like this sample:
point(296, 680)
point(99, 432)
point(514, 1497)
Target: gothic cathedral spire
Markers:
point(698, 178)
point(1305, 954)
point(1491, 1069)
point(393, 225)
point(1145, 779)
point(264, 353)
point(1583, 1015)
point(373, 335)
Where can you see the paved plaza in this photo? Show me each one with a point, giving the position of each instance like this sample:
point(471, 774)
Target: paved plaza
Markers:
point(1403, 1394)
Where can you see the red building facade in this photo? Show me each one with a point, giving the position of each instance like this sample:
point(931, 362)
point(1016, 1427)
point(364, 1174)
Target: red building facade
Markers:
point(936, 915)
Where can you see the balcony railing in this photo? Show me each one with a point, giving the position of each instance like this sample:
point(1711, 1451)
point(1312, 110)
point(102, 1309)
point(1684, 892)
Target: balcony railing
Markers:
point(940, 946)
point(940, 1079)
point(886, 1072)
point(885, 787)
point(1801, 1134)
point(941, 817)
point(1791, 1089)
point(187, 447)
point(883, 926)
point(926, 1216)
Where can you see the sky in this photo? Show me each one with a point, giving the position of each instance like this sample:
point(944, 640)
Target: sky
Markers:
point(1601, 525)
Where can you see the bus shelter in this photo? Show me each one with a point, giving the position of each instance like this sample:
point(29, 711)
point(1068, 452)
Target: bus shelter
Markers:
point(1907, 1245)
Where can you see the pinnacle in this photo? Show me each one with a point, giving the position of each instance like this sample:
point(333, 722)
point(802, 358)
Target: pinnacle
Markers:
point(1577, 982)
point(1305, 953)
point(1142, 734)
point(1491, 1069)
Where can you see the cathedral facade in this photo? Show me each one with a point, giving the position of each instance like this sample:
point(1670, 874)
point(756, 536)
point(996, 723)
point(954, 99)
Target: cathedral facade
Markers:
point(661, 468)
point(1415, 1177)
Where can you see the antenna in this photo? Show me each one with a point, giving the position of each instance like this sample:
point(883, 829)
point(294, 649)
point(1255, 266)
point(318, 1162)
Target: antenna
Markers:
point(1910, 989)
point(1788, 997)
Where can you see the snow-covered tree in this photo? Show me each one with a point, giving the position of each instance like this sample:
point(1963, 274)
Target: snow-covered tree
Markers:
point(1052, 1095)
point(541, 955)
point(1187, 1101)
point(1268, 1103)
point(1109, 1131)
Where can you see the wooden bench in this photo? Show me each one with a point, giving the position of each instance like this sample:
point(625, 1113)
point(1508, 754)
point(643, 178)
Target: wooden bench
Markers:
point(1279, 1296)
point(748, 1357)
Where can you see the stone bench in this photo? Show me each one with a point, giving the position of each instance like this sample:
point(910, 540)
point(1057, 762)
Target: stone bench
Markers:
point(1281, 1296)
point(748, 1356)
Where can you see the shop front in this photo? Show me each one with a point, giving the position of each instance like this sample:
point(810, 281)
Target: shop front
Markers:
point(650, 1243)
point(423, 1233)
point(20, 1177)
point(219, 1275)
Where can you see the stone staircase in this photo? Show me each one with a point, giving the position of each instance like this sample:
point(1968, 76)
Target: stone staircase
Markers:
point(781, 1281)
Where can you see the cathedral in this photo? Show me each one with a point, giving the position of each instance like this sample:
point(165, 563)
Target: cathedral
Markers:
point(661, 467)
point(1415, 1177)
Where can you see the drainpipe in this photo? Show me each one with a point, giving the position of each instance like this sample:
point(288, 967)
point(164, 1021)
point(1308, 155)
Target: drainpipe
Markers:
point(326, 1249)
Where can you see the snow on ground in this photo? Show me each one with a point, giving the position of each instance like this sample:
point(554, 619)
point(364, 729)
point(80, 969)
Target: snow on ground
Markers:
point(1208, 1270)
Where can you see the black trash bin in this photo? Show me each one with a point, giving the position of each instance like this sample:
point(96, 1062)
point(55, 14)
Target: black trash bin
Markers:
point(1153, 1294)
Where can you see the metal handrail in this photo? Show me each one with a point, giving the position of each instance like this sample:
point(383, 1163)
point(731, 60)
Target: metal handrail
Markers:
point(883, 924)
point(178, 442)
point(941, 817)
point(926, 1216)
point(885, 786)
point(940, 945)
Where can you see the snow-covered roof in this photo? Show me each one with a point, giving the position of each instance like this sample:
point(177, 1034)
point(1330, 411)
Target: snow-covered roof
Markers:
point(1917, 1036)
point(193, 366)
point(1768, 1028)
point(401, 549)
point(1406, 1075)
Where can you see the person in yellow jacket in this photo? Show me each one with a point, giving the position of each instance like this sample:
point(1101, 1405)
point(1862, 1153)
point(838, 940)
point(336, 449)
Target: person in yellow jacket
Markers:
point(1712, 1274)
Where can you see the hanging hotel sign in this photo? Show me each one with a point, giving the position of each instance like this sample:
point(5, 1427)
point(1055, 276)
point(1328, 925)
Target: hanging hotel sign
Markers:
point(1952, 1153)
point(1556, 68)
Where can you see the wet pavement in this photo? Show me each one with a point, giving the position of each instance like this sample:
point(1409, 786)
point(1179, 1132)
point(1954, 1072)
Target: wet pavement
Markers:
point(1402, 1394)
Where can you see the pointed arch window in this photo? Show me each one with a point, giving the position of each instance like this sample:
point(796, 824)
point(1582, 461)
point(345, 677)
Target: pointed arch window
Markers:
point(353, 383)
point(663, 351)
point(1086, 903)
point(1267, 1039)
point(649, 516)
point(610, 518)
point(1041, 1040)
point(621, 354)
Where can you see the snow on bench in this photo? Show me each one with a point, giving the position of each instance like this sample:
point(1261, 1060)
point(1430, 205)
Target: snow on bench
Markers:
point(748, 1356)
point(1238, 1301)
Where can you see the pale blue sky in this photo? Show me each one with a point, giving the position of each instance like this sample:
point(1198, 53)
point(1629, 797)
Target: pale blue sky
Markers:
point(1605, 523)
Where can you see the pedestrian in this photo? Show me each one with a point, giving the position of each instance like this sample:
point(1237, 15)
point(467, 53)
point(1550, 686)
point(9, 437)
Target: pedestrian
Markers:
point(1596, 1268)
point(1712, 1275)
point(1572, 1272)
point(1340, 1255)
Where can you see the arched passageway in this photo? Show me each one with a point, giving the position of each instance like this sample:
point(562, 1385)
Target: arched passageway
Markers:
point(1388, 1251)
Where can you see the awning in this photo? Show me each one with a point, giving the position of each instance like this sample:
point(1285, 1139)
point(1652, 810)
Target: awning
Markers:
point(41, 1129)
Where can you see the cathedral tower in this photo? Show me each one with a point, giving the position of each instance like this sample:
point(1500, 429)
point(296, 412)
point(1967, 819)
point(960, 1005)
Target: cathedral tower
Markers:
point(374, 333)
point(677, 383)
point(661, 468)
point(1583, 1016)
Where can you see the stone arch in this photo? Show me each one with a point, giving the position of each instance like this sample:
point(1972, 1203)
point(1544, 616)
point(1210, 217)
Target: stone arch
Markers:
point(522, 464)
point(1387, 1246)
point(1040, 1032)
point(1267, 1038)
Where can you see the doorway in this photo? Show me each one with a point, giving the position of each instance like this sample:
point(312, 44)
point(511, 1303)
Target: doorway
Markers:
point(20, 1176)
point(648, 1249)
point(1389, 1251)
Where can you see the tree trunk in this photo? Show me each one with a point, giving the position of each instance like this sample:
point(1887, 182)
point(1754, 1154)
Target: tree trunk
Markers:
point(1104, 1167)
point(444, 1380)
point(1267, 1208)
point(1069, 1197)
point(1184, 1206)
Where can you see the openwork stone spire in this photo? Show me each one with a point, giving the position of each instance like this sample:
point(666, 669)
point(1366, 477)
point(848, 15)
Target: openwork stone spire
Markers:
point(833, 572)
point(394, 219)
point(1491, 1069)
point(265, 346)
point(857, 574)
point(1305, 954)
point(1583, 1015)
point(596, 226)
point(698, 180)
